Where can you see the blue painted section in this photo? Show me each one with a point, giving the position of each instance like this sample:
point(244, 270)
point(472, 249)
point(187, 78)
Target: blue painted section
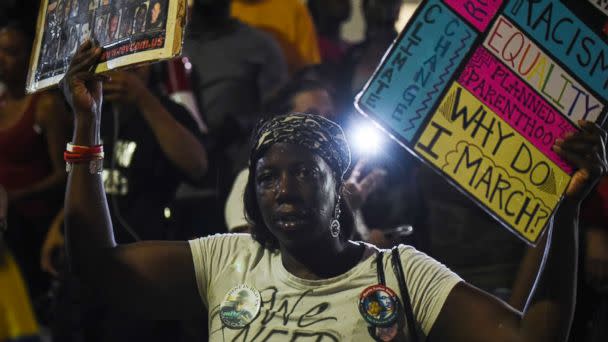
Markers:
point(417, 70)
point(565, 37)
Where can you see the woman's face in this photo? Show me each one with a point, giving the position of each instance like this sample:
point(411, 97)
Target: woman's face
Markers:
point(13, 55)
point(296, 193)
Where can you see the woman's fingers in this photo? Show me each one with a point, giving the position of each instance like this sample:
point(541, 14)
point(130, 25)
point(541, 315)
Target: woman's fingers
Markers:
point(84, 49)
point(88, 61)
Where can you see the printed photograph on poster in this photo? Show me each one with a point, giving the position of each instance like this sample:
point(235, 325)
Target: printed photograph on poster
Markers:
point(480, 91)
point(130, 31)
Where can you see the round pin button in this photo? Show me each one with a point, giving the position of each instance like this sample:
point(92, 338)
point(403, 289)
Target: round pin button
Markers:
point(378, 305)
point(240, 306)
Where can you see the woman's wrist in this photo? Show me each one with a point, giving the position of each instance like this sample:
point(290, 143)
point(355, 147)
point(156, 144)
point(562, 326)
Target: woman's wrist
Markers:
point(86, 132)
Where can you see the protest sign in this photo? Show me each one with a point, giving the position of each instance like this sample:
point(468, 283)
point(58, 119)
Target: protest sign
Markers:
point(480, 90)
point(130, 31)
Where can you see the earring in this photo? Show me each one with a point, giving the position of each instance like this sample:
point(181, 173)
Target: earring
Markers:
point(334, 227)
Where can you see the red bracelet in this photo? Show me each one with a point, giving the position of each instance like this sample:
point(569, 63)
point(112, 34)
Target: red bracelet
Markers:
point(80, 157)
point(84, 149)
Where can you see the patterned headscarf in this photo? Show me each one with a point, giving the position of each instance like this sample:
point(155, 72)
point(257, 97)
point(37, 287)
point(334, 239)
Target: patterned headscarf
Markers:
point(314, 132)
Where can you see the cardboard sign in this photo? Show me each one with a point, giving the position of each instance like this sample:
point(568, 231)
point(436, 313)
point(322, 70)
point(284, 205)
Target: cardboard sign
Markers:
point(480, 90)
point(130, 31)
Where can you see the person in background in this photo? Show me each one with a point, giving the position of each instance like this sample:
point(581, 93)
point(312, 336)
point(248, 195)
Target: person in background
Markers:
point(362, 59)
point(17, 319)
point(289, 22)
point(34, 129)
point(235, 68)
point(328, 16)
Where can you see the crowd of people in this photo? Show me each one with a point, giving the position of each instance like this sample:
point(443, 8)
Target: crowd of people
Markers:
point(330, 243)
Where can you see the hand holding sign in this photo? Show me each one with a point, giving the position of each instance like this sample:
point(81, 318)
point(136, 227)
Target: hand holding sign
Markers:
point(125, 86)
point(587, 151)
point(81, 88)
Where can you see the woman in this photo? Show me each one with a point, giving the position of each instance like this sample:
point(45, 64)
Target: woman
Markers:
point(305, 279)
point(33, 131)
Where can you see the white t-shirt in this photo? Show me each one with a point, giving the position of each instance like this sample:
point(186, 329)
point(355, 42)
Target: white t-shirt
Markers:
point(234, 212)
point(295, 309)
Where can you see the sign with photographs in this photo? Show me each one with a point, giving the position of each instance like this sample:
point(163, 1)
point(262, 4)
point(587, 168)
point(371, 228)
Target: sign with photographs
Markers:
point(480, 91)
point(130, 31)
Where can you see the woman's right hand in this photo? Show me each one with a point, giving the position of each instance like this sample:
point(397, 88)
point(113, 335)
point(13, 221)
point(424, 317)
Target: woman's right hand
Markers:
point(81, 87)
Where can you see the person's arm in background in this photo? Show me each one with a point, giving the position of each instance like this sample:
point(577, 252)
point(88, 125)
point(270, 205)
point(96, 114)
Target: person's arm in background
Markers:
point(179, 144)
point(53, 242)
point(470, 314)
point(52, 117)
point(154, 279)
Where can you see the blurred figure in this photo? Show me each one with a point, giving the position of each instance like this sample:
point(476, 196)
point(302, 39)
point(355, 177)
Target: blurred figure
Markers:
point(362, 59)
point(236, 67)
point(33, 132)
point(328, 16)
point(17, 321)
point(290, 24)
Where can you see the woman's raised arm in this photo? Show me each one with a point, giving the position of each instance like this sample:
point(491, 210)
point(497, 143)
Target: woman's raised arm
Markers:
point(150, 279)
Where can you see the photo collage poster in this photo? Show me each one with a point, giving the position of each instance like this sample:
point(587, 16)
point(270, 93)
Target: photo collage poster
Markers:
point(130, 31)
point(480, 91)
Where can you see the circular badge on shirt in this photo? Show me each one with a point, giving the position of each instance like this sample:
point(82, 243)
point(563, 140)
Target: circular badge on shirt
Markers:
point(378, 305)
point(240, 306)
point(387, 333)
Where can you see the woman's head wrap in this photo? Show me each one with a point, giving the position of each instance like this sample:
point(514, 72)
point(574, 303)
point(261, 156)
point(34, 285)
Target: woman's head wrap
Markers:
point(316, 133)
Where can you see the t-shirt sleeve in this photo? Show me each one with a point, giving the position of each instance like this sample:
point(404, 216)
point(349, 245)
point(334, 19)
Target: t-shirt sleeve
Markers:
point(234, 212)
point(429, 283)
point(211, 255)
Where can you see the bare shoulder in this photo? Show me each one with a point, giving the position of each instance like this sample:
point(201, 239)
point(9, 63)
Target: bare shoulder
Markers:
point(50, 108)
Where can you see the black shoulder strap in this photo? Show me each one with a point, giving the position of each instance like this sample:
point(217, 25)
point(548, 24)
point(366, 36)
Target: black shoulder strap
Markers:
point(405, 296)
point(380, 268)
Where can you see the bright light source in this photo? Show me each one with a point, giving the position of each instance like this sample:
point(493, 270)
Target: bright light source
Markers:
point(366, 138)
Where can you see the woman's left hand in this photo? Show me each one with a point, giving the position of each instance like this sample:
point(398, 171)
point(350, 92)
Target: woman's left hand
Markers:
point(586, 151)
